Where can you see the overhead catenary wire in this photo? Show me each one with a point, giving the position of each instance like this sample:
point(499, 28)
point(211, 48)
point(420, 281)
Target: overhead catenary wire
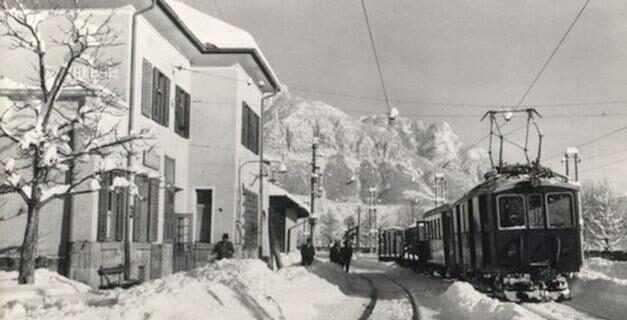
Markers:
point(548, 60)
point(421, 102)
point(606, 154)
point(376, 56)
point(604, 165)
point(593, 140)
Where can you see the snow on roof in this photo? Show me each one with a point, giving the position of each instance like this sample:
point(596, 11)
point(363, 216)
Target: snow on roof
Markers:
point(276, 191)
point(218, 33)
point(211, 30)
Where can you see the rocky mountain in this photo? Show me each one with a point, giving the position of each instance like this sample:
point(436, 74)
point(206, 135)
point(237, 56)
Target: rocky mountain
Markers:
point(400, 159)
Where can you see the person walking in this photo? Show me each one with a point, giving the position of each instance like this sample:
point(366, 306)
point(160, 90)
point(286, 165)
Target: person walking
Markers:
point(334, 254)
point(224, 249)
point(307, 253)
point(346, 254)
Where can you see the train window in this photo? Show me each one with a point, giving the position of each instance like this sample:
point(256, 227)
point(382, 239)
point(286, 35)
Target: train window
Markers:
point(560, 210)
point(439, 228)
point(511, 211)
point(428, 230)
point(535, 211)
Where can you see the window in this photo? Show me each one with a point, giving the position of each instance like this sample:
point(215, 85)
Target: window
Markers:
point(181, 113)
point(160, 97)
point(250, 129)
point(560, 210)
point(111, 208)
point(511, 211)
point(535, 211)
point(146, 210)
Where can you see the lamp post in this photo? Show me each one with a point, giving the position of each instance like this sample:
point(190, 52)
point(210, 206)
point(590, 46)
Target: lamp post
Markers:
point(372, 218)
point(440, 186)
point(314, 180)
point(282, 169)
point(260, 211)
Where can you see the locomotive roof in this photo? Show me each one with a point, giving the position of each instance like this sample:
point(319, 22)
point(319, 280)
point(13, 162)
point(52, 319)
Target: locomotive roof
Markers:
point(437, 210)
point(512, 177)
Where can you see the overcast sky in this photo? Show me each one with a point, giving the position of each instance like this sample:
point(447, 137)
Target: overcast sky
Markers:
point(457, 52)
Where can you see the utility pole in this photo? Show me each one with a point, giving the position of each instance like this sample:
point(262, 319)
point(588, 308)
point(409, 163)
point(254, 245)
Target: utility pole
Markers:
point(358, 227)
point(572, 153)
point(440, 185)
point(314, 181)
point(372, 218)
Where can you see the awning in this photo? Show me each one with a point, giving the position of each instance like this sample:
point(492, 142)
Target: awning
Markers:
point(276, 192)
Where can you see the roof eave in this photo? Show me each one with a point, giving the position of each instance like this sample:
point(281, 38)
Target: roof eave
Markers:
point(209, 48)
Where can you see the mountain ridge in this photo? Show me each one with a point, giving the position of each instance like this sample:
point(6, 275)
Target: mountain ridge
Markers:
point(399, 159)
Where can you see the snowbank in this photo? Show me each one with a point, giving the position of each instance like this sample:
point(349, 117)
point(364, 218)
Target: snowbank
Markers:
point(476, 305)
point(613, 269)
point(291, 259)
point(597, 289)
point(228, 289)
point(48, 285)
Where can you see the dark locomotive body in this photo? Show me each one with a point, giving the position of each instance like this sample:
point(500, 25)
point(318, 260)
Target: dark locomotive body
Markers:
point(516, 235)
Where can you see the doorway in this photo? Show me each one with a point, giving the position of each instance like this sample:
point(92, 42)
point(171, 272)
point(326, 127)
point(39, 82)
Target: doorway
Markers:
point(204, 203)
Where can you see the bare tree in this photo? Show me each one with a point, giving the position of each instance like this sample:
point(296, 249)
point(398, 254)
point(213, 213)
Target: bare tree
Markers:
point(603, 212)
point(53, 143)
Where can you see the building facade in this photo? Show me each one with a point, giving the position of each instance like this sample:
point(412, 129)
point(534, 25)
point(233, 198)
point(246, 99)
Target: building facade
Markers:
point(197, 84)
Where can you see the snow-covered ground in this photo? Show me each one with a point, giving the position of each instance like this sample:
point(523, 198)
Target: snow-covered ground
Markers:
point(600, 288)
point(247, 289)
point(228, 289)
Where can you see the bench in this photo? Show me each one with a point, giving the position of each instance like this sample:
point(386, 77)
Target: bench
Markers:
point(106, 272)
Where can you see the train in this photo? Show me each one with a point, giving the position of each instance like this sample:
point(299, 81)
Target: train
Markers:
point(517, 235)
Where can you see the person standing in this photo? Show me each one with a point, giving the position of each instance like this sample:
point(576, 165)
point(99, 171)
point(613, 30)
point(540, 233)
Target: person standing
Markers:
point(307, 253)
point(224, 249)
point(334, 254)
point(346, 254)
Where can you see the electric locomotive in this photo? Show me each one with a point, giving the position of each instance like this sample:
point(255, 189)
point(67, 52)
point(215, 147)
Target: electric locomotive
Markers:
point(517, 235)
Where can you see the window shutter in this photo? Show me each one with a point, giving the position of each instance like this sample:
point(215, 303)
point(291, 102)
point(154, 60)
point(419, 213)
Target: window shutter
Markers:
point(103, 197)
point(137, 218)
point(120, 204)
point(245, 125)
point(255, 139)
point(153, 198)
point(186, 112)
point(166, 102)
point(155, 94)
point(147, 88)
point(168, 214)
point(178, 106)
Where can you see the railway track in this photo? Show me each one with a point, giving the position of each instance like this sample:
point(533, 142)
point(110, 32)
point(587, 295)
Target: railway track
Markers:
point(376, 286)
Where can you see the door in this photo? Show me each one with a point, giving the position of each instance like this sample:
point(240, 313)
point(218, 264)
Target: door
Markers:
point(204, 202)
point(183, 242)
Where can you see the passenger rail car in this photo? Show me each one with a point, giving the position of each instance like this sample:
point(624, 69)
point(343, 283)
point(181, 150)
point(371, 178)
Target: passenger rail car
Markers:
point(390, 244)
point(517, 234)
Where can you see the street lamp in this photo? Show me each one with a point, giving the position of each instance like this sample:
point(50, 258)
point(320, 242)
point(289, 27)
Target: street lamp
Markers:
point(281, 169)
point(314, 180)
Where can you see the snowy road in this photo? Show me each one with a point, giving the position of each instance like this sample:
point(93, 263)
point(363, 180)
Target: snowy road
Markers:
point(438, 298)
point(247, 289)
